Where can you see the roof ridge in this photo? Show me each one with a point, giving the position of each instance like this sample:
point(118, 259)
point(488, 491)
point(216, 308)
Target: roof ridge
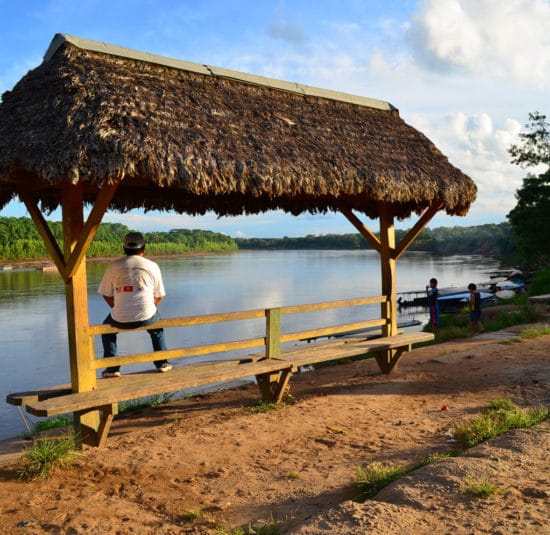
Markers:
point(209, 70)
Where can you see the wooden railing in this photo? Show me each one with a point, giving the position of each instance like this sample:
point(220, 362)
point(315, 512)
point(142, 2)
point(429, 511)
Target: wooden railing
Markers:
point(271, 341)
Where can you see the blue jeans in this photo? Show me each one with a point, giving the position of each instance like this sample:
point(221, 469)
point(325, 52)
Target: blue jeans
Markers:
point(109, 340)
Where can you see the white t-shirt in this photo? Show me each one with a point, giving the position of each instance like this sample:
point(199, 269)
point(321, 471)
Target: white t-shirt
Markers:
point(133, 282)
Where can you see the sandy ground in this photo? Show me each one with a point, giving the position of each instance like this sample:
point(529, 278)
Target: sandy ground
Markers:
point(214, 456)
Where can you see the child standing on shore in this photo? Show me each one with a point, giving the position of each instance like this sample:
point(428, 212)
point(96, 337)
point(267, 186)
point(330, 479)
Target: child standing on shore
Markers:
point(432, 293)
point(475, 308)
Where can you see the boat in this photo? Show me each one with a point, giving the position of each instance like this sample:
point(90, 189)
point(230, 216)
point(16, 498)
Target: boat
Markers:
point(459, 299)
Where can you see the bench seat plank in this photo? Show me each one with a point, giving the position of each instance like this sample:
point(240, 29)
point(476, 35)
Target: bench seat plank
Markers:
point(345, 348)
point(39, 394)
point(138, 385)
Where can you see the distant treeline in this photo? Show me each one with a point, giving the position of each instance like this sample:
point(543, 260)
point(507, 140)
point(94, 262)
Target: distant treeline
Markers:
point(19, 240)
point(491, 240)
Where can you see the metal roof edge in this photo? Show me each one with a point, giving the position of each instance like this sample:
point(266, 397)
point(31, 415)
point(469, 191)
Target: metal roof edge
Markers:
point(302, 89)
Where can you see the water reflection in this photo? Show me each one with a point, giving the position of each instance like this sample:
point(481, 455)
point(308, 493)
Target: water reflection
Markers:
point(32, 303)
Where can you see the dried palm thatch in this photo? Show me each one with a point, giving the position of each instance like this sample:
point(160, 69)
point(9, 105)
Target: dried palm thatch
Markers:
point(190, 138)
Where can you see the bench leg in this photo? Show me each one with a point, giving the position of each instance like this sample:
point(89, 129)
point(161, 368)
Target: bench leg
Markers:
point(96, 437)
point(281, 387)
point(389, 359)
point(273, 386)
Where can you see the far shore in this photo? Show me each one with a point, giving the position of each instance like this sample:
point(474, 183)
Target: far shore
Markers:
point(46, 262)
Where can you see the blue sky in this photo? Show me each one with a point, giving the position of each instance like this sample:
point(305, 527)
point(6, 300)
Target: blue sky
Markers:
point(464, 72)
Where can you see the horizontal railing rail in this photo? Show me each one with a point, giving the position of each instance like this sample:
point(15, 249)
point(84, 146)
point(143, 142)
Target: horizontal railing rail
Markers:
point(271, 341)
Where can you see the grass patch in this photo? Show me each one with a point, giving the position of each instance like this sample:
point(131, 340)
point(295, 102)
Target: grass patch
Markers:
point(504, 319)
point(45, 455)
point(261, 527)
point(337, 362)
point(511, 341)
point(145, 403)
point(372, 479)
point(52, 423)
point(265, 406)
point(191, 515)
point(480, 488)
point(501, 417)
point(437, 457)
point(535, 332)
point(456, 326)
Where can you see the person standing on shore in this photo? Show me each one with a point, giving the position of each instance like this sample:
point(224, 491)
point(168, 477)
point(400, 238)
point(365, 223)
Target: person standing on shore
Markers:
point(475, 308)
point(132, 286)
point(432, 293)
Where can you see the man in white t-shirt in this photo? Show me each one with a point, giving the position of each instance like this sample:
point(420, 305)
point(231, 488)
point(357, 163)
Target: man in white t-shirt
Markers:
point(132, 286)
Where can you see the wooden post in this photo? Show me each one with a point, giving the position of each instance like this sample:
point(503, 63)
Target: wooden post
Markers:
point(83, 376)
point(270, 382)
point(387, 266)
point(386, 359)
point(273, 333)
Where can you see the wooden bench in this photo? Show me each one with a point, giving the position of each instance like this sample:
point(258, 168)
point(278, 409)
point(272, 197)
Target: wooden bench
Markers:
point(271, 369)
point(272, 376)
point(347, 348)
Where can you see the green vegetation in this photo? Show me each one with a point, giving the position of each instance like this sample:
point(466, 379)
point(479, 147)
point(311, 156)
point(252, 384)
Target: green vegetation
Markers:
point(144, 403)
point(52, 423)
point(455, 326)
point(372, 479)
point(491, 240)
point(191, 516)
point(540, 284)
point(265, 406)
point(501, 417)
point(480, 488)
point(129, 406)
point(535, 332)
point(19, 240)
point(261, 527)
point(530, 218)
point(45, 455)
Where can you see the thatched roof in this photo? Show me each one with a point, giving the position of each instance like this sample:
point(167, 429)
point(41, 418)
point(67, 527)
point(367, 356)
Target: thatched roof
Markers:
point(193, 138)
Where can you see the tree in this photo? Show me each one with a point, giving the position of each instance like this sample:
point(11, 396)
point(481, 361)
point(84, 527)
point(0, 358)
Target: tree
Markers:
point(530, 219)
point(534, 148)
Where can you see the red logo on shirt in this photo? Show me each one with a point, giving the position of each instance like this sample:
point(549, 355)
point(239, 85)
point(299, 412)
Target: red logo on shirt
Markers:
point(124, 289)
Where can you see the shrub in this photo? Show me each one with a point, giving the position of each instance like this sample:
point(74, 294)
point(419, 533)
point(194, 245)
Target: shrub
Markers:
point(45, 455)
point(540, 284)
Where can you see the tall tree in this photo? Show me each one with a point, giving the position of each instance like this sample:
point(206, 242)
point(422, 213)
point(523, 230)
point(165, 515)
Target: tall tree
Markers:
point(530, 219)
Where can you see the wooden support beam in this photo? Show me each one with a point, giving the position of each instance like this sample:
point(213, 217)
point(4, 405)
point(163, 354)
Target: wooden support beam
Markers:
point(388, 360)
point(67, 267)
point(42, 226)
point(363, 229)
point(78, 254)
point(417, 229)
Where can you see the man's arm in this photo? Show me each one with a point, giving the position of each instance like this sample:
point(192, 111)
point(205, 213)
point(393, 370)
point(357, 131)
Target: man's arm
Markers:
point(157, 299)
point(110, 300)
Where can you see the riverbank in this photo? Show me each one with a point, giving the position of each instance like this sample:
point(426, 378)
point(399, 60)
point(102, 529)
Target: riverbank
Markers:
point(48, 263)
point(196, 465)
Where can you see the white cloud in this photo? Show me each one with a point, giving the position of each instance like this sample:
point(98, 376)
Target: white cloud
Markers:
point(479, 146)
point(509, 39)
